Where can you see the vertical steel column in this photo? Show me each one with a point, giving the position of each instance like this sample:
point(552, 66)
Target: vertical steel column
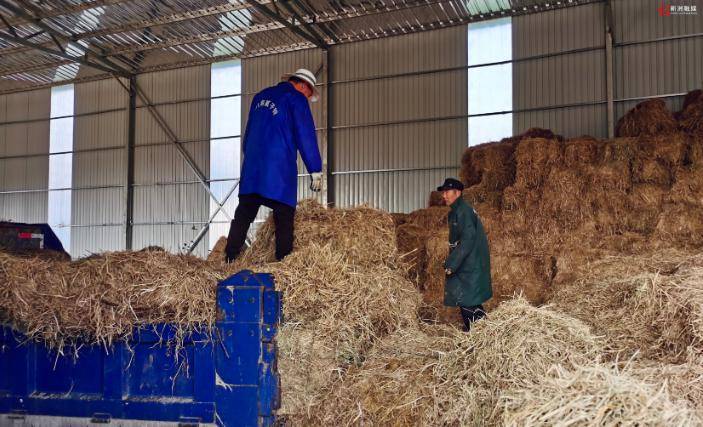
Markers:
point(327, 56)
point(610, 97)
point(131, 139)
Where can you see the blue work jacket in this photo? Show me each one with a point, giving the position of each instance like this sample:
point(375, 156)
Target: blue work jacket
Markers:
point(280, 124)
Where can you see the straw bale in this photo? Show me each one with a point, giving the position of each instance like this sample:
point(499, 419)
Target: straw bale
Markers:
point(646, 203)
point(367, 235)
point(651, 171)
point(583, 150)
point(498, 166)
point(437, 250)
point(541, 133)
point(436, 199)
point(534, 273)
point(411, 247)
point(430, 218)
point(696, 151)
point(650, 117)
point(534, 158)
point(563, 198)
point(593, 395)
point(619, 150)
point(399, 218)
point(691, 117)
point(485, 202)
point(691, 98)
point(682, 224)
point(672, 149)
point(688, 187)
point(612, 176)
point(217, 254)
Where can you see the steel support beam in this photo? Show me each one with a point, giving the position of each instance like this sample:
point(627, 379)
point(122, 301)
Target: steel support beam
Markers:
point(55, 34)
point(206, 226)
point(309, 28)
point(609, 69)
point(329, 110)
point(293, 27)
point(81, 60)
point(129, 185)
point(70, 9)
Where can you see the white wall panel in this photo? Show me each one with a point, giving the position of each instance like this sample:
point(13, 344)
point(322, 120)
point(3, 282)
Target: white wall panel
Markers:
point(28, 136)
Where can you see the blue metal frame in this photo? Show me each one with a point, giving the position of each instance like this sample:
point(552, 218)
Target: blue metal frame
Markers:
point(229, 379)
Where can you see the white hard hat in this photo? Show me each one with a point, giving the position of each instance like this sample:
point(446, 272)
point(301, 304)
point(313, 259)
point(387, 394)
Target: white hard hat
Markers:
point(308, 77)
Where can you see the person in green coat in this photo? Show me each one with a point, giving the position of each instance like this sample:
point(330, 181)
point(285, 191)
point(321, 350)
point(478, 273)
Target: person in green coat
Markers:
point(468, 265)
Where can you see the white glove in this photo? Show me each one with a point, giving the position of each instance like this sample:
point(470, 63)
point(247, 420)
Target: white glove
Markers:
point(448, 271)
point(316, 181)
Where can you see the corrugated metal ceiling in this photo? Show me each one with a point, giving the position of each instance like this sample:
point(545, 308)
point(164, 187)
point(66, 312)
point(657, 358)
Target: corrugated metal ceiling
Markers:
point(43, 42)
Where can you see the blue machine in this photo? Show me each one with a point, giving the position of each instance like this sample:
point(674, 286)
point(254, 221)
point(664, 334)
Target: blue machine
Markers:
point(228, 380)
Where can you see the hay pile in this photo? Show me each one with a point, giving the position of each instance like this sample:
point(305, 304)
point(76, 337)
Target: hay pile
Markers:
point(217, 254)
point(437, 375)
point(102, 298)
point(649, 305)
point(594, 395)
point(345, 287)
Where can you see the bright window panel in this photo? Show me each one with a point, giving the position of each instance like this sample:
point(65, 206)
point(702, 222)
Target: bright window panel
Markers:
point(490, 128)
point(61, 165)
point(490, 88)
point(225, 147)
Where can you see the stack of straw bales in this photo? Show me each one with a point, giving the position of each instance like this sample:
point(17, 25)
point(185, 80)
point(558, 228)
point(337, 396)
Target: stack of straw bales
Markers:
point(549, 204)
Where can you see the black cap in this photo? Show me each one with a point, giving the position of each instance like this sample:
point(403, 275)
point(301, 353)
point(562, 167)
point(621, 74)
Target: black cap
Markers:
point(451, 184)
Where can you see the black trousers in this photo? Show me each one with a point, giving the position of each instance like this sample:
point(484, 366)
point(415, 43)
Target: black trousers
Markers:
point(249, 204)
point(472, 314)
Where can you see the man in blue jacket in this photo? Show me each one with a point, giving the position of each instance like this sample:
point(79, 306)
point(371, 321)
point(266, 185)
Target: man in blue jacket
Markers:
point(280, 125)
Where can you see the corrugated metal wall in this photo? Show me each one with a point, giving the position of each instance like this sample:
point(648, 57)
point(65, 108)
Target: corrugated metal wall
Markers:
point(387, 153)
point(99, 167)
point(24, 155)
point(170, 205)
point(571, 78)
point(663, 67)
point(644, 64)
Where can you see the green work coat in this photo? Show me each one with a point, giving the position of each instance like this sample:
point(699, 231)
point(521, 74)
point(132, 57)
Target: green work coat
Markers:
point(469, 258)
